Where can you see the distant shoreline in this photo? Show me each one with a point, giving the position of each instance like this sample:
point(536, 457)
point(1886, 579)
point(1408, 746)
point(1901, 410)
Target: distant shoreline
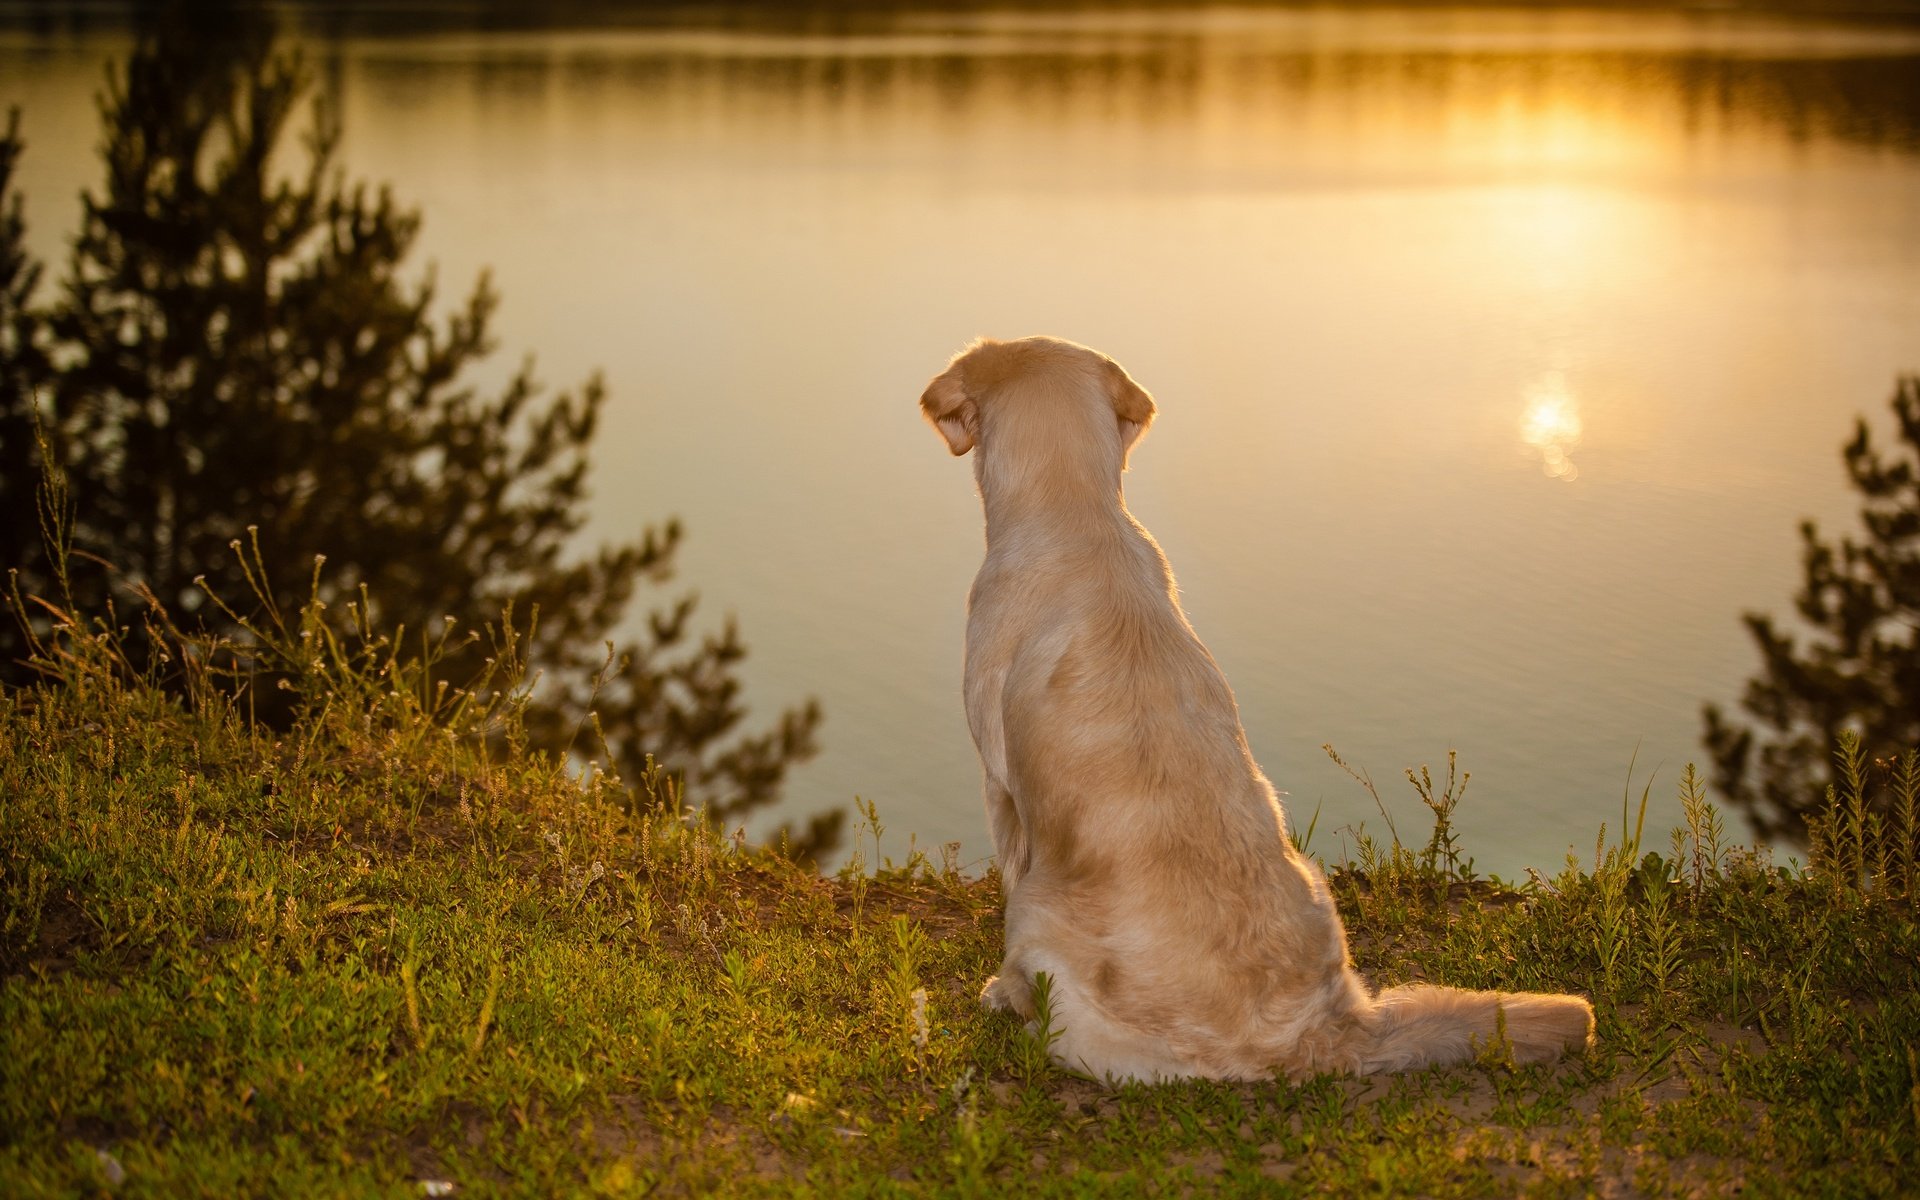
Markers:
point(368, 17)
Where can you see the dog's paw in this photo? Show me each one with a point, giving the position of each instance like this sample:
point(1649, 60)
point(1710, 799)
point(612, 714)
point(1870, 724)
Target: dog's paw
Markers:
point(1006, 993)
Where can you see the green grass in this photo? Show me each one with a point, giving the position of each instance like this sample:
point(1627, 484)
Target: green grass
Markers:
point(386, 950)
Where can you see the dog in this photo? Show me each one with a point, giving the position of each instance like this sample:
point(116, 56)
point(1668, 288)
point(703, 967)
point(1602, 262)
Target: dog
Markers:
point(1142, 853)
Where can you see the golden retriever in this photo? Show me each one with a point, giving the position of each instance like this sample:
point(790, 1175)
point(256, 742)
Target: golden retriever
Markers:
point(1143, 855)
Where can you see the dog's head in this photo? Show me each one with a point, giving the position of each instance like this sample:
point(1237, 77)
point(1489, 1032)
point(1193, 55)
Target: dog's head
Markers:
point(993, 385)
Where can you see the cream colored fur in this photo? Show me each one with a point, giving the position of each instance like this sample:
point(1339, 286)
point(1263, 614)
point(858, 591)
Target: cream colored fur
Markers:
point(1143, 855)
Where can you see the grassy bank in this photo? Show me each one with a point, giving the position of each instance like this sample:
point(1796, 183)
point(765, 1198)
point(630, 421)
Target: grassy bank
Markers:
point(384, 953)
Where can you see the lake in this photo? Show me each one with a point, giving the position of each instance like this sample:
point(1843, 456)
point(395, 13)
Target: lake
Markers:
point(1498, 352)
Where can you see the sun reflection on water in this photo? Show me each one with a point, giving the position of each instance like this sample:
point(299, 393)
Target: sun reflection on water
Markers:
point(1550, 426)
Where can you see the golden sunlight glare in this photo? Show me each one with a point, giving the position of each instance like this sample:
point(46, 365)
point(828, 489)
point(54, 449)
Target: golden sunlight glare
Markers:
point(1550, 426)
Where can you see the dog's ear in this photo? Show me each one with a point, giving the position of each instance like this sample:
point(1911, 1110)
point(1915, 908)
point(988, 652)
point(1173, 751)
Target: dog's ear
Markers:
point(953, 413)
point(1130, 403)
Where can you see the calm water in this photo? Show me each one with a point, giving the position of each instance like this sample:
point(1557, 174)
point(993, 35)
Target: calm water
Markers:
point(1498, 353)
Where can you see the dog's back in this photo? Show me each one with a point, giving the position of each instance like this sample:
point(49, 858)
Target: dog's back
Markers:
point(1145, 856)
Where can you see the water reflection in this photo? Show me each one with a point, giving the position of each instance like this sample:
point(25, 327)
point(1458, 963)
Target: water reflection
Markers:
point(1550, 426)
point(1446, 72)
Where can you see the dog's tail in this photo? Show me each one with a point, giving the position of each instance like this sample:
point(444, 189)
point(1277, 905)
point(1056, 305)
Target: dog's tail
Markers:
point(1417, 1025)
